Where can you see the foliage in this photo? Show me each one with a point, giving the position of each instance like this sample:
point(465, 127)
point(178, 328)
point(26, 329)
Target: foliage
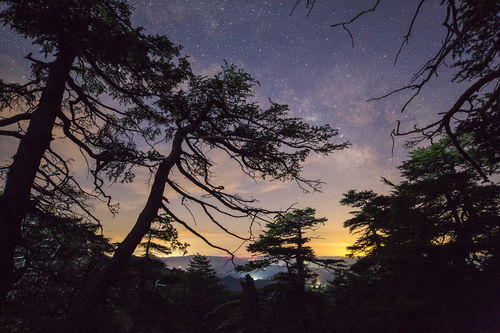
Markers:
point(429, 249)
point(212, 114)
point(200, 270)
point(285, 242)
point(56, 257)
point(162, 232)
point(107, 56)
point(199, 294)
point(94, 68)
point(92, 51)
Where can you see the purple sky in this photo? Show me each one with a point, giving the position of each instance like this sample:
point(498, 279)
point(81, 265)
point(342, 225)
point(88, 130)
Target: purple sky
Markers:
point(301, 61)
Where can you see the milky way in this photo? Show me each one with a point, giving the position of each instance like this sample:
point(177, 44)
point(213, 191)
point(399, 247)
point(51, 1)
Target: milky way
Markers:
point(299, 60)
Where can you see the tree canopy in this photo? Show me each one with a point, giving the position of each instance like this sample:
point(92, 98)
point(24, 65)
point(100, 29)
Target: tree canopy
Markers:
point(285, 242)
point(214, 114)
point(89, 50)
point(431, 244)
point(92, 51)
point(427, 252)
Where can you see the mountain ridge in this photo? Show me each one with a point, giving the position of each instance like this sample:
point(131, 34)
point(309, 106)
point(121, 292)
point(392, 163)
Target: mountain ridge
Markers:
point(224, 267)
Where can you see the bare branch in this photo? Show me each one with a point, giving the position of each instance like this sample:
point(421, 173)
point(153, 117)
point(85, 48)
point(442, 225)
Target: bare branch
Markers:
point(15, 119)
point(194, 232)
point(14, 134)
point(406, 37)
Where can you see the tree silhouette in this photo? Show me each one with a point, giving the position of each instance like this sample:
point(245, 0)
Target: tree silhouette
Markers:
point(200, 293)
point(162, 238)
point(53, 263)
point(91, 50)
point(214, 114)
point(285, 241)
point(428, 249)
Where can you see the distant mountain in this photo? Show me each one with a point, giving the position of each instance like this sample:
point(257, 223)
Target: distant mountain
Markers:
point(225, 268)
point(222, 265)
point(231, 283)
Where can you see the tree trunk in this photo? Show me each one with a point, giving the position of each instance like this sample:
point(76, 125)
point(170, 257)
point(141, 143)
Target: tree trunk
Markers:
point(301, 281)
point(251, 307)
point(95, 291)
point(14, 202)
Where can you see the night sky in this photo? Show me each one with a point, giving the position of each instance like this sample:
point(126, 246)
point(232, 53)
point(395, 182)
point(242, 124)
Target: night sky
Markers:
point(301, 61)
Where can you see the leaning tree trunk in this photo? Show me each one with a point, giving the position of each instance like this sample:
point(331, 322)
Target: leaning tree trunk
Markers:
point(95, 291)
point(14, 202)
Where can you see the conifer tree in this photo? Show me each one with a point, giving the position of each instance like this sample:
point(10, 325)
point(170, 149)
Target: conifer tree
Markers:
point(200, 269)
point(285, 241)
point(201, 293)
point(428, 249)
point(53, 263)
point(162, 238)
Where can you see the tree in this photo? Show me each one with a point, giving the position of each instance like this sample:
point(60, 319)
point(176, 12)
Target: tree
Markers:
point(141, 300)
point(200, 269)
point(53, 263)
point(91, 50)
point(162, 238)
point(428, 249)
point(213, 114)
point(285, 241)
point(470, 46)
point(162, 231)
point(199, 294)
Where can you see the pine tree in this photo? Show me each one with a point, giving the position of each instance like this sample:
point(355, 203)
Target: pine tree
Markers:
point(427, 249)
point(199, 294)
point(200, 269)
point(162, 238)
point(285, 241)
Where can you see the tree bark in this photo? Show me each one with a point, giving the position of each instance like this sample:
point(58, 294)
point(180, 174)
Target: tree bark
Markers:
point(14, 203)
point(95, 291)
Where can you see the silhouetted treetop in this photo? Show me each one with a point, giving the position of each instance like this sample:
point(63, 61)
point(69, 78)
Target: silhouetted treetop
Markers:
point(429, 249)
point(264, 142)
point(285, 241)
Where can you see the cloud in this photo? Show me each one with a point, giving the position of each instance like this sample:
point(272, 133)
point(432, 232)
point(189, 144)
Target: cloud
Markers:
point(273, 186)
point(346, 159)
point(207, 70)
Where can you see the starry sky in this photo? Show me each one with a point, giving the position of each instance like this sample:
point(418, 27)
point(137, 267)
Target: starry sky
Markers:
point(299, 60)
